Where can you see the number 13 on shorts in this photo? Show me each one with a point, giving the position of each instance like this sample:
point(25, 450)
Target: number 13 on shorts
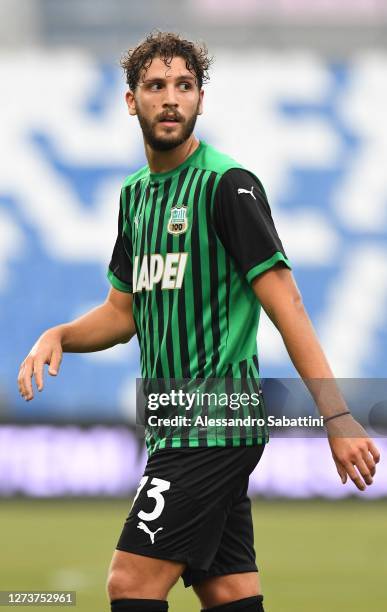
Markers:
point(159, 486)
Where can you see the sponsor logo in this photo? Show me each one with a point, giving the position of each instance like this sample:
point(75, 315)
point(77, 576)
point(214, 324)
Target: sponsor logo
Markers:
point(178, 222)
point(151, 534)
point(241, 190)
point(153, 269)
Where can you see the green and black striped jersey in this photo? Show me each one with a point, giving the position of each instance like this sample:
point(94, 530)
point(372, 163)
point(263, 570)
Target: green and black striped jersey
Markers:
point(190, 241)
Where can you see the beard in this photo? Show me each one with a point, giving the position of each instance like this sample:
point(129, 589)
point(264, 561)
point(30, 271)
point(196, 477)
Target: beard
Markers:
point(167, 142)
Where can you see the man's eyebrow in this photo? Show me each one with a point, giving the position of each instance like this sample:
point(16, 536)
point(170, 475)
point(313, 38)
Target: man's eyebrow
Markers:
point(186, 77)
point(182, 77)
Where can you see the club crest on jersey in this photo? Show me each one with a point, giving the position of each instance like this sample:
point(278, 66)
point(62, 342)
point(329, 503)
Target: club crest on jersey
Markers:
point(178, 222)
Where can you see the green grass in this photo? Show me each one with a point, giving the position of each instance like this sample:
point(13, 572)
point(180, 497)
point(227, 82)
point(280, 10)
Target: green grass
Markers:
point(313, 555)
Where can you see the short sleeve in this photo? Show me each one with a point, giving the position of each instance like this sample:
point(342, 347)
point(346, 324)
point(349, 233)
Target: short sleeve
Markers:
point(244, 225)
point(120, 267)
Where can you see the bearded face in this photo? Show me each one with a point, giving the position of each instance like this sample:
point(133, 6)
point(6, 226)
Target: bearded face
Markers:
point(167, 102)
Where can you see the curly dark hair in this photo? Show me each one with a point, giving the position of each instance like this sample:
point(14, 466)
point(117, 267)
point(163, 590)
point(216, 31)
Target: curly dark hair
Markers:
point(165, 45)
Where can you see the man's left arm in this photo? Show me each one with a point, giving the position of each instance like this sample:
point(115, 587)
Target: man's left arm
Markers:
point(354, 453)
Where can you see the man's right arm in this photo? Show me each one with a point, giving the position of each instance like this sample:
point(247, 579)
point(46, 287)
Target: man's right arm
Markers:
point(106, 325)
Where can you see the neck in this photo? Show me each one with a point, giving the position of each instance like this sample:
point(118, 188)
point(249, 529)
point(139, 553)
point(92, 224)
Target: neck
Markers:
point(164, 161)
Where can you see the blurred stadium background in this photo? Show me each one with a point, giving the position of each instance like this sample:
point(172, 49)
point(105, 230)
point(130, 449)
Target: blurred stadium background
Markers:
point(298, 93)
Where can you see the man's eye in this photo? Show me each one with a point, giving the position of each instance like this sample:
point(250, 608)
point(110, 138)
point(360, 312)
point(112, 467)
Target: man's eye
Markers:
point(155, 86)
point(185, 86)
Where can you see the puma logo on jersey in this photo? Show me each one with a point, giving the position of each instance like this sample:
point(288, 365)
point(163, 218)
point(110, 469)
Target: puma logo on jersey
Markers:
point(151, 534)
point(153, 269)
point(241, 190)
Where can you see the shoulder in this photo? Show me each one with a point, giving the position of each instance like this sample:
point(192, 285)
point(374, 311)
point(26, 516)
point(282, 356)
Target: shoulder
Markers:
point(230, 172)
point(237, 182)
point(211, 159)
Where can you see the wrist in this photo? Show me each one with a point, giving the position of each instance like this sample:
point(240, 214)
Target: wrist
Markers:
point(341, 414)
point(56, 333)
point(345, 427)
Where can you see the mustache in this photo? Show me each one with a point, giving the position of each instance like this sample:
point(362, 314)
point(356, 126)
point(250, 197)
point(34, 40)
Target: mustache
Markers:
point(170, 115)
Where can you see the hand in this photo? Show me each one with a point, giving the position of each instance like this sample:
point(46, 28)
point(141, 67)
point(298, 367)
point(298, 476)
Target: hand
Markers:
point(47, 350)
point(354, 453)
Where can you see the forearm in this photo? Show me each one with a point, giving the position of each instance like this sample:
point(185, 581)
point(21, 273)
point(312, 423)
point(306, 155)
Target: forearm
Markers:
point(304, 349)
point(99, 329)
point(278, 293)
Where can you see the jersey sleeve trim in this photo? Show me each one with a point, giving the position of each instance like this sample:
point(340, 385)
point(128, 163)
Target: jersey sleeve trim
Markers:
point(266, 265)
point(118, 284)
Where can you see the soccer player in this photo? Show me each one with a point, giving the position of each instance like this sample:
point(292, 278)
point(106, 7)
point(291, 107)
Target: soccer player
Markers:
point(196, 255)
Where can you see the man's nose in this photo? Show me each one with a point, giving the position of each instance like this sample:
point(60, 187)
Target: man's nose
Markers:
point(170, 96)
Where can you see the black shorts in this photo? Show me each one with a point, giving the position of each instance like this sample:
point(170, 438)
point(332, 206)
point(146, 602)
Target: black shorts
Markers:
point(192, 506)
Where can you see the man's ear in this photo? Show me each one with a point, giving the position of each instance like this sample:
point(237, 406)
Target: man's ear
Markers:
point(200, 107)
point(131, 103)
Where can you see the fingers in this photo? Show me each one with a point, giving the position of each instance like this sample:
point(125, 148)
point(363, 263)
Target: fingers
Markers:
point(33, 368)
point(55, 362)
point(25, 379)
point(362, 467)
point(360, 471)
point(355, 476)
point(356, 457)
point(369, 460)
point(342, 472)
point(38, 373)
point(374, 451)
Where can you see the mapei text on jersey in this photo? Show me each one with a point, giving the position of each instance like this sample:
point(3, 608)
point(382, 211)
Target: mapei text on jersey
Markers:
point(155, 268)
